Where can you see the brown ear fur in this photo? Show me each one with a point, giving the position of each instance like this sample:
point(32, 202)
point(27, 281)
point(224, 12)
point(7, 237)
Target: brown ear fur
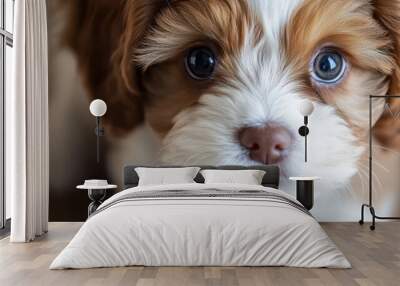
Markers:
point(104, 34)
point(387, 129)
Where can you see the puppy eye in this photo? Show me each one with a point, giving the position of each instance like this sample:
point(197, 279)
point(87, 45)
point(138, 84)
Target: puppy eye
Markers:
point(200, 63)
point(328, 67)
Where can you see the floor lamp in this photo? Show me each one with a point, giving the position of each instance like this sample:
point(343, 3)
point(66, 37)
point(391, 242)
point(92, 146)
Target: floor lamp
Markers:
point(370, 202)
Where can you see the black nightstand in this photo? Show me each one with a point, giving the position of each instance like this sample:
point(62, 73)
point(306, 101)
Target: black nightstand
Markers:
point(305, 190)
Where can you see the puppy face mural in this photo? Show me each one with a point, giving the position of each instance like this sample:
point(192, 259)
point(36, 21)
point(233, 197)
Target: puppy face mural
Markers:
point(220, 81)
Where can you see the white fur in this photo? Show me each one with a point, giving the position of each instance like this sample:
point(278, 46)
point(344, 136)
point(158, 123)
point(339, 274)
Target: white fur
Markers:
point(264, 90)
point(274, 15)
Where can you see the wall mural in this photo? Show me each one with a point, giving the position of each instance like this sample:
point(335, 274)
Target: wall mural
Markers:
point(220, 82)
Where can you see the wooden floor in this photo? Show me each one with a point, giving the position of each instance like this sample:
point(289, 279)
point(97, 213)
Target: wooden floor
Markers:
point(375, 257)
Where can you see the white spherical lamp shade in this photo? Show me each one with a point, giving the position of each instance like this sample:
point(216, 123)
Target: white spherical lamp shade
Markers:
point(306, 107)
point(98, 108)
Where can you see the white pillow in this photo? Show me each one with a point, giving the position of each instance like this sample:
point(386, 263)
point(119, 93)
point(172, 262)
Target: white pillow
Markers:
point(165, 176)
point(246, 177)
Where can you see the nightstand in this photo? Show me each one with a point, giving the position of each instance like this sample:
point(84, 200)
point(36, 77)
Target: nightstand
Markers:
point(96, 193)
point(305, 190)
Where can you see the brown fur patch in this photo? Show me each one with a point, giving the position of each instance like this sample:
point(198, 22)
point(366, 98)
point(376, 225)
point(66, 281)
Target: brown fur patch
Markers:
point(166, 96)
point(387, 130)
point(94, 33)
point(349, 27)
point(103, 34)
point(125, 49)
point(221, 25)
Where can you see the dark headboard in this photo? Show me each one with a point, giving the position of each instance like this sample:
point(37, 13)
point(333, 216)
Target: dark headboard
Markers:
point(271, 177)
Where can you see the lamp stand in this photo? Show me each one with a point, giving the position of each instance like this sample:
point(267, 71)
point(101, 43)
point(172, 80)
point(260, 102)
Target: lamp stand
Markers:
point(99, 131)
point(305, 148)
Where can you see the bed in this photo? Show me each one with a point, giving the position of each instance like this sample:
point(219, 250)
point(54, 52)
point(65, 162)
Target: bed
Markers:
point(198, 224)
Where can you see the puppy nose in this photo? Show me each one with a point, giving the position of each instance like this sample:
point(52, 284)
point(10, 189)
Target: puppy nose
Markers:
point(268, 144)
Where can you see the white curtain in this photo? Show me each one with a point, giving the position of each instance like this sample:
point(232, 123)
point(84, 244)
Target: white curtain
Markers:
point(27, 161)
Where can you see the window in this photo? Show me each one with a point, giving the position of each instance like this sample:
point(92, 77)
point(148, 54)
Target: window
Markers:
point(6, 66)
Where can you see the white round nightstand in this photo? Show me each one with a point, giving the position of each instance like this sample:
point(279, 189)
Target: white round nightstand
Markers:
point(96, 195)
point(305, 190)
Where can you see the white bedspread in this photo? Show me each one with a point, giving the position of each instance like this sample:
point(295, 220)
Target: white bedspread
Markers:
point(199, 231)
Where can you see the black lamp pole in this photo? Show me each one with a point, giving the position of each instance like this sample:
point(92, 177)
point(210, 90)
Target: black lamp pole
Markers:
point(304, 131)
point(99, 131)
